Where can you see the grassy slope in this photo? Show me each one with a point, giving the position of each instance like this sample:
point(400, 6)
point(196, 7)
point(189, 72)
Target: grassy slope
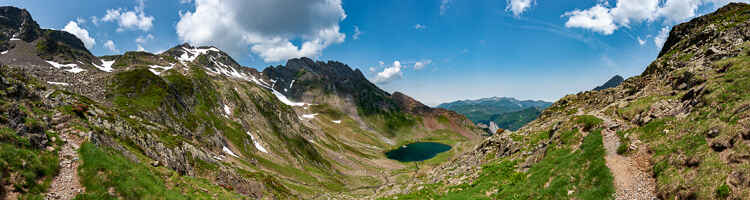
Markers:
point(568, 170)
point(26, 168)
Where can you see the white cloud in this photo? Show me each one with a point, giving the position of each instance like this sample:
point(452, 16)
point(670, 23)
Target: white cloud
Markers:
point(185, 1)
point(605, 19)
point(641, 41)
point(675, 11)
point(356, 33)
point(140, 48)
point(421, 64)
point(130, 20)
point(80, 20)
point(444, 5)
point(95, 20)
point(389, 73)
point(517, 7)
point(267, 27)
point(110, 45)
point(596, 18)
point(662, 37)
point(372, 69)
point(81, 33)
point(143, 39)
point(420, 27)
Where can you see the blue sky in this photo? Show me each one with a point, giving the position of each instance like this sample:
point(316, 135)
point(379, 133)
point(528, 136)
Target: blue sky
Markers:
point(433, 50)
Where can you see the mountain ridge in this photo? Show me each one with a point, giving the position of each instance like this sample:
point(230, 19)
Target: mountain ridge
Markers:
point(504, 111)
point(143, 123)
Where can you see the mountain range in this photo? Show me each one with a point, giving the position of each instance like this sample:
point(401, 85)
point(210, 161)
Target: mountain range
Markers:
point(192, 123)
point(508, 113)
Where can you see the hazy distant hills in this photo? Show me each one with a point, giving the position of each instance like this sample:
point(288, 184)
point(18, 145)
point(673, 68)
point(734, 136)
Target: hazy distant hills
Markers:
point(506, 112)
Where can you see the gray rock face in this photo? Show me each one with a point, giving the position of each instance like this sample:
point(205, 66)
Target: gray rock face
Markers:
point(17, 23)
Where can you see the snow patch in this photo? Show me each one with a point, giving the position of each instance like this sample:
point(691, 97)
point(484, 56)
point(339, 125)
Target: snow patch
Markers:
point(3, 53)
point(218, 158)
point(229, 151)
point(227, 70)
point(57, 83)
point(75, 70)
point(14, 39)
point(285, 100)
point(58, 65)
point(156, 69)
point(291, 84)
point(227, 110)
point(309, 116)
point(336, 121)
point(257, 144)
point(73, 67)
point(190, 55)
point(106, 65)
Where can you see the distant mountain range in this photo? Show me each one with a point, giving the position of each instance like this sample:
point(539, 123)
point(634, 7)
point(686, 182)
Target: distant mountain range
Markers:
point(506, 112)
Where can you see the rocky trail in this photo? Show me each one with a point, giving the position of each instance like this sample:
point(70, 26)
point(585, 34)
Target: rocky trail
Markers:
point(632, 180)
point(66, 185)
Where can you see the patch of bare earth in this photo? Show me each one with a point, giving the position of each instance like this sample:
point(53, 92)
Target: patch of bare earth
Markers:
point(67, 185)
point(632, 180)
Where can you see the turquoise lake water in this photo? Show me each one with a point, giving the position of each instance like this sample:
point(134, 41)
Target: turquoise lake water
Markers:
point(417, 151)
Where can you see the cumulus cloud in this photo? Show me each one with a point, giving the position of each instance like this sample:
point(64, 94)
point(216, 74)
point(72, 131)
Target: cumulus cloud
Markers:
point(356, 33)
point(605, 19)
point(389, 73)
point(444, 5)
point(129, 19)
point(421, 64)
point(662, 37)
point(517, 7)
point(597, 19)
point(110, 45)
point(420, 27)
point(267, 27)
point(81, 33)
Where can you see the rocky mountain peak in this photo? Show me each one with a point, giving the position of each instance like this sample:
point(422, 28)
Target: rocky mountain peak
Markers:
point(612, 82)
point(720, 24)
point(17, 23)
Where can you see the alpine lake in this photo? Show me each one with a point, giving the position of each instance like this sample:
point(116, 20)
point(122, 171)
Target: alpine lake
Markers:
point(417, 151)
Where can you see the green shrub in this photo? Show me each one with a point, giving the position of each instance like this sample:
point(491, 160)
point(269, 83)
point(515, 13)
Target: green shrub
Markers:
point(723, 191)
